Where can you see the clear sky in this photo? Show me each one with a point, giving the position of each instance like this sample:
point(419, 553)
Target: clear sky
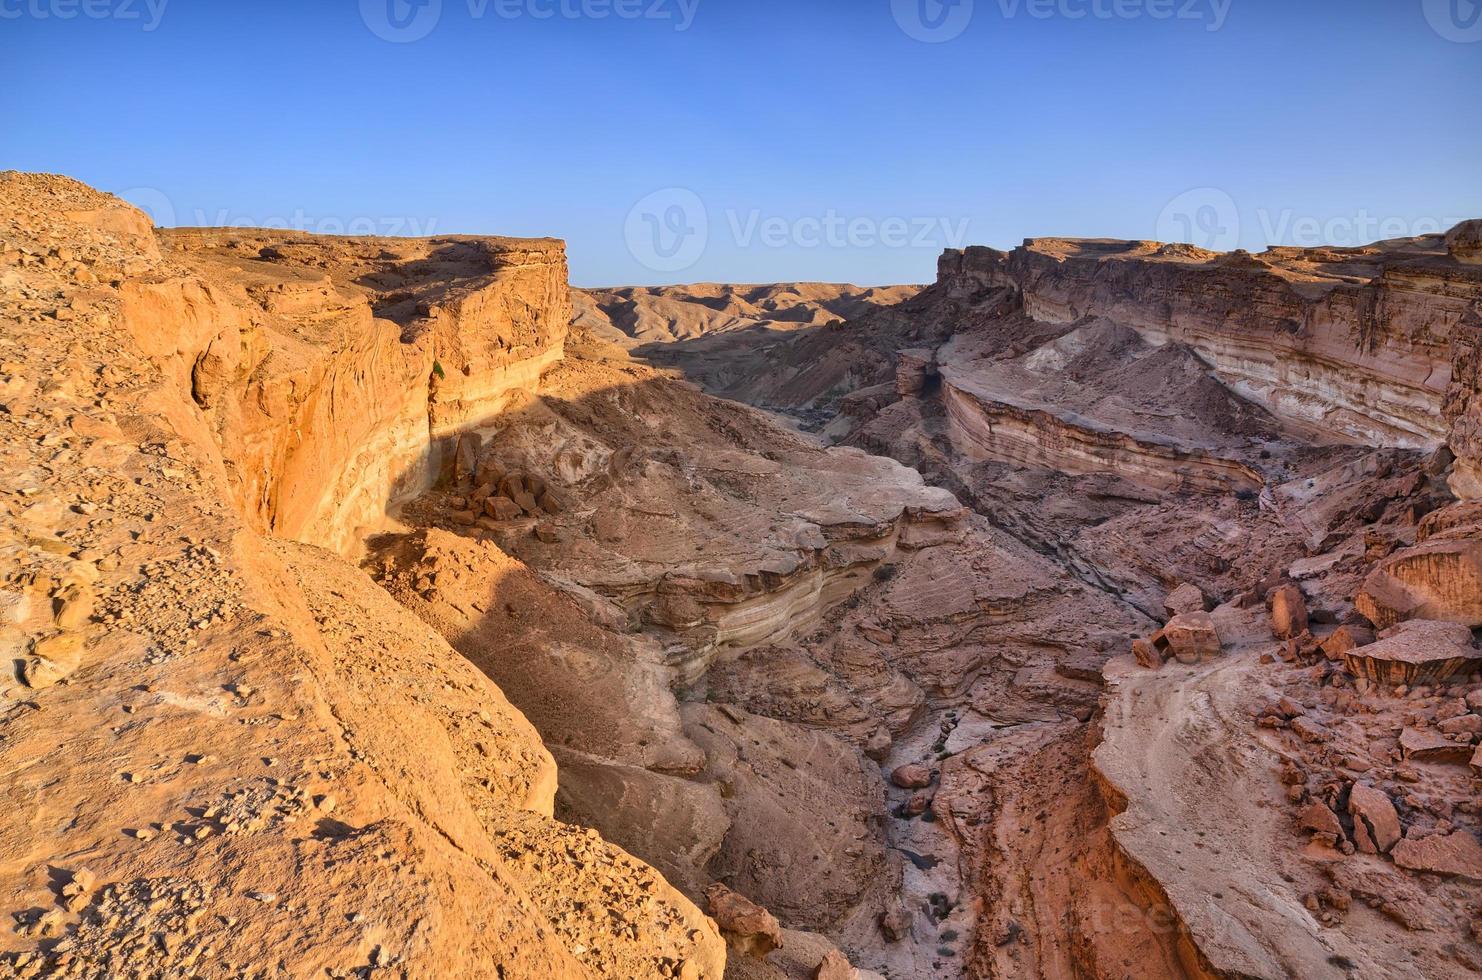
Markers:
point(761, 140)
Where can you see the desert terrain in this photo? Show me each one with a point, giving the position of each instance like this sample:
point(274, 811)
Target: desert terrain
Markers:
point(386, 606)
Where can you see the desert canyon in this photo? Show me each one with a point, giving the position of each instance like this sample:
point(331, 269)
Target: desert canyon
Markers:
point(388, 607)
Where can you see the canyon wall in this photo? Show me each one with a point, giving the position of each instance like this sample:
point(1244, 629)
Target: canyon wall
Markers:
point(1356, 342)
point(338, 373)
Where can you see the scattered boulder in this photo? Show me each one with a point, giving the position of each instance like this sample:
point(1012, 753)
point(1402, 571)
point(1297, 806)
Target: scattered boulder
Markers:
point(749, 929)
point(1422, 746)
point(490, 473)
point(1376, 825)
point(1192, 638)
point(835, 966)
point(1455, 854)
point(912, 776)
point(1146, 654)
point(52, 660)
point(1288, 612)
point(512, 485)
point(1310, 731)
point(1419, 651)
point(502, 508)
point(918, 804)
point(1187, 598)
point(1347, 637)
point(1319, 818)
point(895, 924)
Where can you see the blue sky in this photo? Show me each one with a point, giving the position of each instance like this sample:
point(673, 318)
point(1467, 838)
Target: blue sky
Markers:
point(762, 140)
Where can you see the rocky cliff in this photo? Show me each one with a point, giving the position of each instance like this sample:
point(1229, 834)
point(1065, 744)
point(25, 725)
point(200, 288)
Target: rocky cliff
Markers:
point(220, 739)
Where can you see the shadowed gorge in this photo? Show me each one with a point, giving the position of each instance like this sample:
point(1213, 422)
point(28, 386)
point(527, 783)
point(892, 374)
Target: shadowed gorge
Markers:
point(1101, 609)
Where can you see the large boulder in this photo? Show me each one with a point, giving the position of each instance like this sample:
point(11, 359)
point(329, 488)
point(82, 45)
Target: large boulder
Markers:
point(1191, 637)
point(1187, 598)
point(1438, 579)
point(1288, 612)
point(1426, 746)
point(749, 929)
point(912, 776)
point(1420, 651)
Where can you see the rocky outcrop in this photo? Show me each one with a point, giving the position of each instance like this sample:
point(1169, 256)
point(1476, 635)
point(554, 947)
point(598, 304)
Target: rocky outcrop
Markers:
point(1453, 855)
